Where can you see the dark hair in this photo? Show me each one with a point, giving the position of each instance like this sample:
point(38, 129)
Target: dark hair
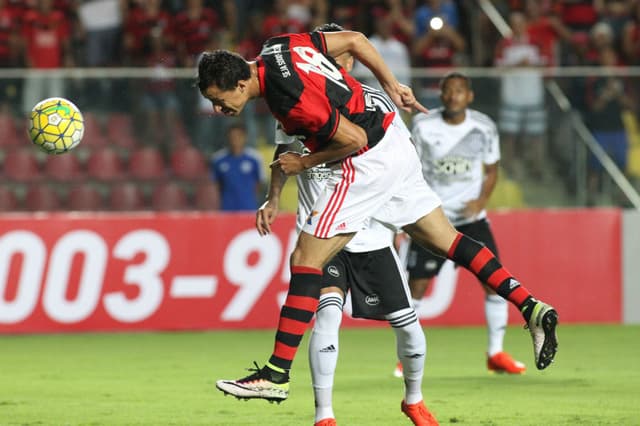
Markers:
point(222, 69)
point(329, 28)
point(236, 125)
point(454, 75)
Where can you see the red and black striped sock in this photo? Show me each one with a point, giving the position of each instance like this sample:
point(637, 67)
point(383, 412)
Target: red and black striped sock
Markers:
point(483, 263)
point(296, 314)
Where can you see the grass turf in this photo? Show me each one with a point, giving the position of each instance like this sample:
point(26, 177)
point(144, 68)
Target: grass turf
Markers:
point(168, 379)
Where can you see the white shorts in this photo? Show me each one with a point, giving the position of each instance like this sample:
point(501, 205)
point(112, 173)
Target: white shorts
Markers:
point(384, 183)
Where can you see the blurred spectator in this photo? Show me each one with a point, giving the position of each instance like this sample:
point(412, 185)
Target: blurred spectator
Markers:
point(344, 13)
point(546, 30)
point(159, 101)
point(615, 13)
point(193, 28)
point(429, 9)
point(607, 98)
point(631, 37)
point(522, 110)
point(10, 53)
point(394, 52)
point(436, 45)
point(601, 38)
point(101, 21)
point(46, 32)
point(238, 172)
point(140, 22)
point(398, 12)
point(277, 21)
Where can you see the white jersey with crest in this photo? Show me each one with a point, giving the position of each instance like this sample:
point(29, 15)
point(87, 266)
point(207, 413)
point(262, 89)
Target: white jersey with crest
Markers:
point(453, 158)
point(311, 183)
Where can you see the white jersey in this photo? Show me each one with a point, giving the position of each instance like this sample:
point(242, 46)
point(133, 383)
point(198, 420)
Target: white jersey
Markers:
point(311, 183)
point(453, 158)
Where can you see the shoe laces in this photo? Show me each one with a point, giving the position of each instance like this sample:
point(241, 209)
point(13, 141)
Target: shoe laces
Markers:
point(257, 374)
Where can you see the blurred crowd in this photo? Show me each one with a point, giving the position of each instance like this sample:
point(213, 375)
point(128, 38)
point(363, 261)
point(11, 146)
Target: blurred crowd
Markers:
point(410, 34)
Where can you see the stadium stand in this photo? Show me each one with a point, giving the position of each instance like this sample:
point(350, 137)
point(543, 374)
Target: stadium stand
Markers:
point(207, 197)
point(146, 163)
point(85, 197)
point(126, 196)
point(63, 168)
point(105, 164)
point(21, 165)
point(41, 198)
point(168, 196)
point(8, 199)
point(188, 163)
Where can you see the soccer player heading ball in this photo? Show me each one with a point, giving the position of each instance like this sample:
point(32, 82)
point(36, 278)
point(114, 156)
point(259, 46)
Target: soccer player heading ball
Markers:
point(376, 174)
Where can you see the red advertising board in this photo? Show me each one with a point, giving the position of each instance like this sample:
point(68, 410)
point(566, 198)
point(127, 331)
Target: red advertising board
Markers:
point(85, 272)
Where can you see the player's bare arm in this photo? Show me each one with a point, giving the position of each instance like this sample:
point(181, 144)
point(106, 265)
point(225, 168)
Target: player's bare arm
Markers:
point(349, 138)
point(268, 211)
point(361, 48)
point(475, 206)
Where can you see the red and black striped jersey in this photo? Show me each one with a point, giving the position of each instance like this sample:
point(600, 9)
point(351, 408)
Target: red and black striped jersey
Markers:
point(307, 91)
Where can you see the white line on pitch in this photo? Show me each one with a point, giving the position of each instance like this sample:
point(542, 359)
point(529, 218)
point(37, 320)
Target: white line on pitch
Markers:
point(188, 286)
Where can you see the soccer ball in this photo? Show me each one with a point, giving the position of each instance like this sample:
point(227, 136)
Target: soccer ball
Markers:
point(56, 125)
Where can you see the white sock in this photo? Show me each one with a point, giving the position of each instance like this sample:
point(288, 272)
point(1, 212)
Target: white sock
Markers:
point(323, 352)
point(416, 303)
point(411, 347)
point(496, 313)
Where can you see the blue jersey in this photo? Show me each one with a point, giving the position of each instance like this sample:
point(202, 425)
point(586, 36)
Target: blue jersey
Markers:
point(238, 177)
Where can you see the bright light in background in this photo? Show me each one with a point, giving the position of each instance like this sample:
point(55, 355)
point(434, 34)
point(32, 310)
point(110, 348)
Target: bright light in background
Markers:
point(436, 23)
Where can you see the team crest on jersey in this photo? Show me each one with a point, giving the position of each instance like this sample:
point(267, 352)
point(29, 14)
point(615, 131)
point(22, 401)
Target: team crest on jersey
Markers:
point(311, 216)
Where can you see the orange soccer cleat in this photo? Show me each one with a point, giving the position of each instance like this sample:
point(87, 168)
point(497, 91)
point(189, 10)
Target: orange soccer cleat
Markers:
point(502, 362)
point(419, 414)
point(326, 422)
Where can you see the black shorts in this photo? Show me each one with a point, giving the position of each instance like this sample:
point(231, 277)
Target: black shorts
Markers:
point(374, 279)
point(421, 263)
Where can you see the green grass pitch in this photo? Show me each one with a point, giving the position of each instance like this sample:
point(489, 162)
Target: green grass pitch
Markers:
point(168, 379)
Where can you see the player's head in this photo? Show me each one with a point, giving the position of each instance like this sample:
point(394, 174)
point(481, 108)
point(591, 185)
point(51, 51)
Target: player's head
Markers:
point(455, 92)
point(345, 60)
point(223, 78)
point(236, 137)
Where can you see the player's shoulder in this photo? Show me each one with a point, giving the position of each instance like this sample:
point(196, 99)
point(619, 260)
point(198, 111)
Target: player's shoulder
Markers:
point(421, 118)
point(253, 154)
point(481, 119)
point(219, 155)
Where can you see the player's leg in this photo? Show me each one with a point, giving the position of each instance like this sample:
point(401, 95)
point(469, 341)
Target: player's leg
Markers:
point(434, 232)
point(380, 273)
point(324, 342)
point(496, 310)
point(271, 382)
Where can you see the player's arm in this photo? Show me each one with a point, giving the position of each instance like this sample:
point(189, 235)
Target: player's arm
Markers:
point(361, 48)
point(474, 207)
point(268, 211)
point(347, 139)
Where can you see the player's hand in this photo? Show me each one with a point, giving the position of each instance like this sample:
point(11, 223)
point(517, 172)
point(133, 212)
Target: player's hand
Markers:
point(265, 216)
point(473, 208)
point(406, 100)
point(290, 163)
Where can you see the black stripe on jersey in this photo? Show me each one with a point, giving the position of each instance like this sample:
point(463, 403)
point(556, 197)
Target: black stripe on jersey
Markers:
point(318, 40)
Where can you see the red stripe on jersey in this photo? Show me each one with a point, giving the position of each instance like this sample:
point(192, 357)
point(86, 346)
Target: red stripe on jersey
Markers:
point(304, 303)
point(305, 270)
point(362, 150)
point(348, 176)
point(388, 118)
point(480, 259)
point(261, 72)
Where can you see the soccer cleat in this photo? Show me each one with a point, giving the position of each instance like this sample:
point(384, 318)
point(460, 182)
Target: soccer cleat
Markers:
point(419, 414)
point(326, 422)
point(397, 372)
point(502, 362)
point(264, 383)
point(542, 326)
